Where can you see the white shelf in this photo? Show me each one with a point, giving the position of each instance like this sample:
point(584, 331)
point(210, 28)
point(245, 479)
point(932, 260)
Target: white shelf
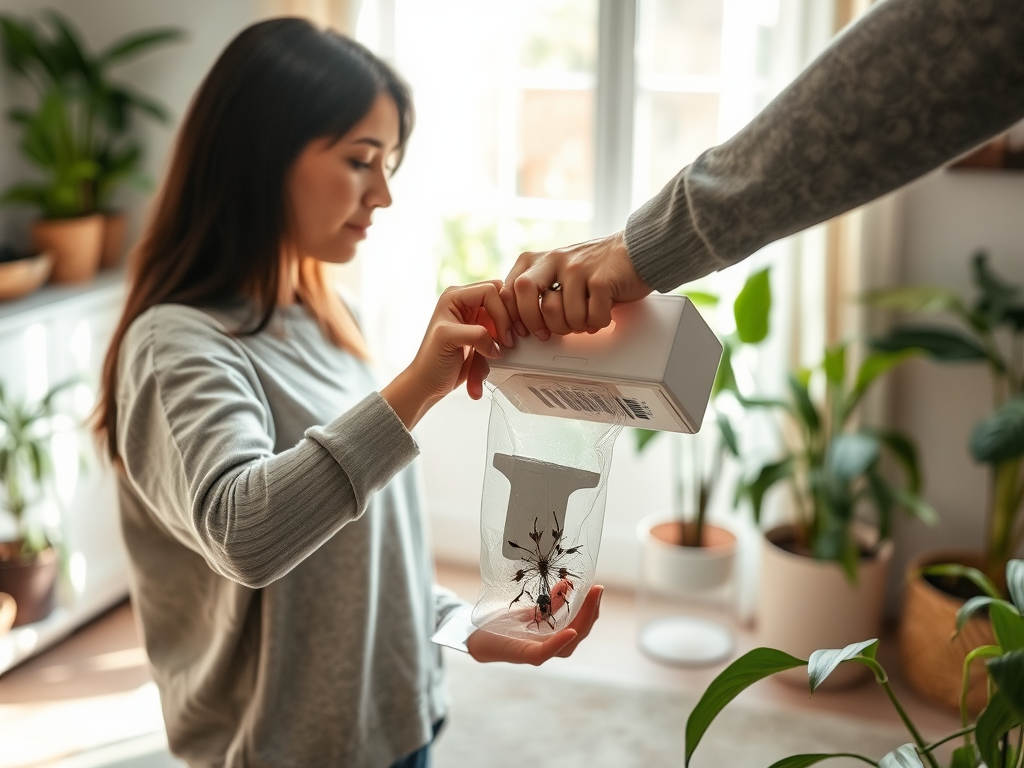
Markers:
point(107, 286)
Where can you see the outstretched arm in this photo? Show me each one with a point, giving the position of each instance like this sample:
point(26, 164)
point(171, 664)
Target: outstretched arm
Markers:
point(911, 85)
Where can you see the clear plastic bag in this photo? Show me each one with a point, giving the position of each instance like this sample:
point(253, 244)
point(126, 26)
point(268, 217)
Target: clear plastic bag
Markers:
point(543, 502)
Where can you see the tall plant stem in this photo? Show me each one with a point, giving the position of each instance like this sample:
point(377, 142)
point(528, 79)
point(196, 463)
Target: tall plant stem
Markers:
point(1000, 533)
point(957, 735)
point(883, 680)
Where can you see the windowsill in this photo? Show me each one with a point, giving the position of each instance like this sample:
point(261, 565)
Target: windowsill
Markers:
point(105, 285)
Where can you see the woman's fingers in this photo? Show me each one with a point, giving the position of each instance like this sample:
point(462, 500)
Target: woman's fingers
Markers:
point(466, 300)
point(486, 646)
point(585, 619)
point(528, 287)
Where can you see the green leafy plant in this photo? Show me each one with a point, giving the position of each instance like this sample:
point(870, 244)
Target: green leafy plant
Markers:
point(25, 460)
point(834, 467)
point(751, 309)
point(994, 738)
point(79, 135)
point(991, 332)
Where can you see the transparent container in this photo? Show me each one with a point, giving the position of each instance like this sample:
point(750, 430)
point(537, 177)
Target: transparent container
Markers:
point(543, 504)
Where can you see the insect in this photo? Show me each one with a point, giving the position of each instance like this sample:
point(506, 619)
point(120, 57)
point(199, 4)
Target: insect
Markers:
point(546, 571)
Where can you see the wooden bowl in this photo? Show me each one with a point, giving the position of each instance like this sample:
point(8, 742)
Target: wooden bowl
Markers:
point(21, 277)
point(8, 610)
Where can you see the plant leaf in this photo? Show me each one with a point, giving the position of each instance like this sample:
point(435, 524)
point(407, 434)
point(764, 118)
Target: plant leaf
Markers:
point(1015, 582)
point(737, 677)
point(728, 434)
point(939, 343)
point(1000, 435)
point(1008, 672)
point(1007, 624)
point(966, 572)
point(805, 409)
point(968, 609)
point(835, 364)
point(902, 757)
point(801, 761)
point(725, 379)
point(922, 298)
point(917, 507)
point(702, 298)
point(133, 45)
point(995, 720)
point(997, 295)
point(643, 437)
point(766, 478)
point(851, 453)
point(822, 663)
point(905, 452)
point(964, 757)
point(875, 365)
point(752, 308)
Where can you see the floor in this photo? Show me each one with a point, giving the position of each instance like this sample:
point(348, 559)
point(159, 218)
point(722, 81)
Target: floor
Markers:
point(94, 689)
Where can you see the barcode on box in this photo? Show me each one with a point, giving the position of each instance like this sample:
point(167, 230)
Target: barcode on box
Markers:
point(565, 397)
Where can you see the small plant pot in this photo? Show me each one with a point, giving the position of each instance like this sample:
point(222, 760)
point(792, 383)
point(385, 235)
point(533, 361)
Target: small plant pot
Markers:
point(805, 605)
point(31, 583)
point(75, 245)
point(23, 276)
point(932, 660)
point(8, 610)
point(115, 227)
point(677, 586)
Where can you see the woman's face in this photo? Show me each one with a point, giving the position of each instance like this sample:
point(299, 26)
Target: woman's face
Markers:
point(334, 186)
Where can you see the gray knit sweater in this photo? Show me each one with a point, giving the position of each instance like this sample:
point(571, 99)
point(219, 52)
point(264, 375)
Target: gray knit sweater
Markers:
point(279, 557)
point(911, 85)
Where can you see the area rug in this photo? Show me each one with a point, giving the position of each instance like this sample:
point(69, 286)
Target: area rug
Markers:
point(505, 716)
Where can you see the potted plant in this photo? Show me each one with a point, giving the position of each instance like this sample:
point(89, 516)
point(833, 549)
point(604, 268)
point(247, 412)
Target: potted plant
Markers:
point(79, 137)
point(682, 554)
point(28, 564)
point(988, 740)
point(822, 576)
point(990, 332)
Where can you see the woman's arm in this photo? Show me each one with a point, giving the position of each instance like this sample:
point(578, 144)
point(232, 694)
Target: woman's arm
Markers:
point(197, 440)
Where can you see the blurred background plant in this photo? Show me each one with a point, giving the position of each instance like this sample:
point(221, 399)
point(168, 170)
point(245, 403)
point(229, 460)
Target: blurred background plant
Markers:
point(79, 133)
point(991, 331)
point(699, 460)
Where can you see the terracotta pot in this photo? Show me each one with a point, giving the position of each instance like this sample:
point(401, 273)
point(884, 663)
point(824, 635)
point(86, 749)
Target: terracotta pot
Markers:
point(20, 278)
point(932, 660)
point(115, 225)
point(75, 245)
point(8, 610)
point(31, 583)
point(675, 570)
point(805, 605)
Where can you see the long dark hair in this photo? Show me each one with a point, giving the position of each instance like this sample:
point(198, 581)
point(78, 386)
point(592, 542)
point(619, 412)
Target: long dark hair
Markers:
point(221, 218)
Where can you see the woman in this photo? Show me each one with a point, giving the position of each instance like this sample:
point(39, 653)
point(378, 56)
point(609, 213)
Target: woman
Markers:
point(280, 566)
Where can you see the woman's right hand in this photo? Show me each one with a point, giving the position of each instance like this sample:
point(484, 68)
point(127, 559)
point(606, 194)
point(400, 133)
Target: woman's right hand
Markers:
point(459, 340)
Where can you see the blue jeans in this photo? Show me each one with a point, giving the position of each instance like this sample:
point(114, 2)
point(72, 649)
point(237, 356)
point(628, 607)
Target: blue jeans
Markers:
point(421, 757)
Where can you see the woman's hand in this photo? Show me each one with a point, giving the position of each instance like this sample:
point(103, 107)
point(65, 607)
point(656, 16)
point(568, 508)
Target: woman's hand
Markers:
point(486, 646)
point(590, 277)
point(460, 339)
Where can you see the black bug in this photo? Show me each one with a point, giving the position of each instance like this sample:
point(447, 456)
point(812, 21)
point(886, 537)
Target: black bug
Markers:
point(546, 572)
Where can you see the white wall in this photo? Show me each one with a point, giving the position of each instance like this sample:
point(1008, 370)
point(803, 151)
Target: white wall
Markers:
point(949, 215)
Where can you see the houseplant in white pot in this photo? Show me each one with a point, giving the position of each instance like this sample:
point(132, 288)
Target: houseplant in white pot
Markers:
point(79, 136)
point(683, 555)
point(29, 562)
point(822, 575)
point(990, 332)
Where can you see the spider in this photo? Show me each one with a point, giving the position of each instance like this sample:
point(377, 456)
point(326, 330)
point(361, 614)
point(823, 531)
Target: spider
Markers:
point(549, 571)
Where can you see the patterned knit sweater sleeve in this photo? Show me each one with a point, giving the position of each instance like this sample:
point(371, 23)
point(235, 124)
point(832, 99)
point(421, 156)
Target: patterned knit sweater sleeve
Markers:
point(911, 85)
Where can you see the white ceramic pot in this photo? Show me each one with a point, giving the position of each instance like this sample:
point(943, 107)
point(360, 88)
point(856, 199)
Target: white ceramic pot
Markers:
point(805, 604)
point(676, 570)
point(681, 593)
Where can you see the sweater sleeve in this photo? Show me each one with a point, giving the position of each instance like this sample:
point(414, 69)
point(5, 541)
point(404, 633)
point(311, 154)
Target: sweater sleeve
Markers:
point(911, 85)
point(197, 440)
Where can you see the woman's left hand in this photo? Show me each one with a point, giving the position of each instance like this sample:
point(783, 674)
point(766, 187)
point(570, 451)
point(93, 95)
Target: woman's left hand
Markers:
point(486, 646)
